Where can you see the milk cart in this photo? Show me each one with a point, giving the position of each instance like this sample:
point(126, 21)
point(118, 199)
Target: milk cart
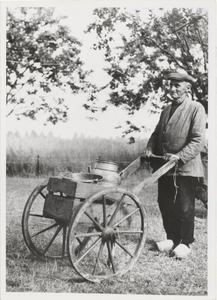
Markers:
point(99, 225)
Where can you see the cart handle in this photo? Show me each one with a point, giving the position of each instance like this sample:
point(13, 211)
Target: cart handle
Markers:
point(135, 165)
point(155, 176)
point(157, 156)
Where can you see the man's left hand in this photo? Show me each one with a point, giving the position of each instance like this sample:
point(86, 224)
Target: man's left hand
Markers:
point(170, 156)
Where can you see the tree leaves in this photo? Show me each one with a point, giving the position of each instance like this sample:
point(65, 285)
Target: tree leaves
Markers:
point(42, 57)
point(140, 48)
point(152, 45)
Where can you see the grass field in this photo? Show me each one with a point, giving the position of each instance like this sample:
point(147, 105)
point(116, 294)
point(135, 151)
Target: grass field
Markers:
point(154, 273)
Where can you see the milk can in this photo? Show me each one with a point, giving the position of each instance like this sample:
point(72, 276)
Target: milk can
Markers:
point(108, 170)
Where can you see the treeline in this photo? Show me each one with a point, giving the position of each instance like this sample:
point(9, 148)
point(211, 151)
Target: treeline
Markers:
point(35, 154)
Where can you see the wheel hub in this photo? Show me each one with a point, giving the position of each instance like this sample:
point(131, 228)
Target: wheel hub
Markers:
point(109, 234)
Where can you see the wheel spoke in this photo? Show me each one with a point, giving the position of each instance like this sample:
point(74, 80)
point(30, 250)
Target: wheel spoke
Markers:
point(111, 256)
point(53, 238)
point(129, 231)
point(84, 241)
point(90, 248)
point(87, 234)
point(45, 229)
point(79, 240)
point(36, 215)
point(104, 212)
point(98, 256)
point(64, 240)
point(116, 210)
point(126, 217)
point(90, 229)
point(42, 194)
point(122, 247)
point(111, 208)
point(94, 221)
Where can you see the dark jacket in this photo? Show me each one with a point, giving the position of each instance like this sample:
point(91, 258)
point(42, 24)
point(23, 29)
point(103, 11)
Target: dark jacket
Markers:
point(182, 134)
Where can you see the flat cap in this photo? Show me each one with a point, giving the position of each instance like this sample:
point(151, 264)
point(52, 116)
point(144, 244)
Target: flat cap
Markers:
point(181, 77)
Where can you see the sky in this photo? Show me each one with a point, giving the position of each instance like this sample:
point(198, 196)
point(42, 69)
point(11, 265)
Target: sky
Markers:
point(78, 121)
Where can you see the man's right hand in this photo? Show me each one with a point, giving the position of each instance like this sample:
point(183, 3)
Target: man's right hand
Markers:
point(147, 153)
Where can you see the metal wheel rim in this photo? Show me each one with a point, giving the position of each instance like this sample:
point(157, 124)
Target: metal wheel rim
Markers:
point(72, 235)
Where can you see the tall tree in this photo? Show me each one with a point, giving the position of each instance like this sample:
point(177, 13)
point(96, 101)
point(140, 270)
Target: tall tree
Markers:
point(142, 46)
point(42, 63)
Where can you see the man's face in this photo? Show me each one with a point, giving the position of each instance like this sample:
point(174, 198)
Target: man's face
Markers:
point(178, 89)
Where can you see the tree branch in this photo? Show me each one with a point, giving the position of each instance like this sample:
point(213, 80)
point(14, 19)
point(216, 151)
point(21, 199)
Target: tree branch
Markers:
point(13, 95)
point(12, 110)
point(157, 45)
point(180, 28)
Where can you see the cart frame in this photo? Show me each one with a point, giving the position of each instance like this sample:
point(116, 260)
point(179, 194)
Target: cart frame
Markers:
point(102, 229)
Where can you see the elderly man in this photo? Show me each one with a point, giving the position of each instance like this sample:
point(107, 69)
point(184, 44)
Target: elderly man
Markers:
point(179, 135)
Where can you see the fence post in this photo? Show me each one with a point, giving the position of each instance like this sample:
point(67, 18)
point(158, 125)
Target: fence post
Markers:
point(37, 166)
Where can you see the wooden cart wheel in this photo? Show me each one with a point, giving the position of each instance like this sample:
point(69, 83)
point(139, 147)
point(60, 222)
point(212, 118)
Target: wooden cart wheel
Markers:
point(45, 237)
point(112, 235)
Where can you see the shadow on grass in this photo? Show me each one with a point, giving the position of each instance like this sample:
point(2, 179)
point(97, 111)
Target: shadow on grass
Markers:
point(151, 245)
point(77, 280)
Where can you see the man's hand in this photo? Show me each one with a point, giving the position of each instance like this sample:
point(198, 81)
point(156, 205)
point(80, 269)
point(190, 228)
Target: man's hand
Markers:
point(170, 156)
point(147, 153)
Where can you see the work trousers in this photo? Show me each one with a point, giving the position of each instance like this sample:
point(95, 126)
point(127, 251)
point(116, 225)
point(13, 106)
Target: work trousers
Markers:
point(176, 199)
